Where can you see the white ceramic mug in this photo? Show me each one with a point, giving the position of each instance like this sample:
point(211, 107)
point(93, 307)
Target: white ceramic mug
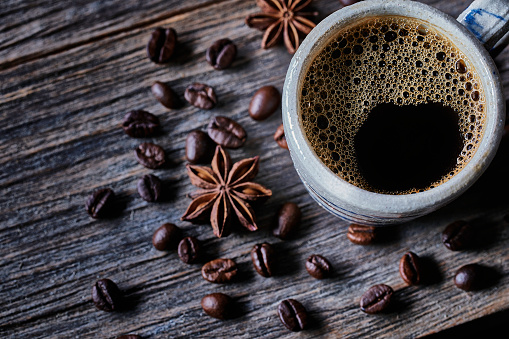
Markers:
point(480, 28)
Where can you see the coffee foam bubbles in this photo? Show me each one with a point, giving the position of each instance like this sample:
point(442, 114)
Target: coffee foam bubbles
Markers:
point(388, 59)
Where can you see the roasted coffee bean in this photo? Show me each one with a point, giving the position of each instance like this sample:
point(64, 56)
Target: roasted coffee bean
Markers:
point(219, 306)
point(410, 268)
point(100, 203)
point(166, 237)
point(458, 236)
point(473, 277)
point(201, 96)
point(262, 256)
point(161, 45)
point(288, 220)
point(165, 95)
point(280, 138)
point(106, 295)
point(140, 124)
point(318, 267)
point(264, 103)
point(293, 315)
point(226, 132)
point(361, 235)
point(199, 147)
point(219, 270)
point(129, 336)
point(221, 54)
point(150, 155)
point(377, 299)
point(189, 250)
point(150, 188)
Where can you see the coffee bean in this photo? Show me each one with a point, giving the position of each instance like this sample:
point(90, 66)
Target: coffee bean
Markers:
point(280, 138)
point(140, 124)
point(376, 299)
point(473, 277)
point(458, 235)
point(219, 306)
point(226, 132)
point(165, 95)
point(201, 96)
point(150, 188)
point(166, 237)
point(161, 45)
point(100, 202)
point(293, 315)
point(262, 256)
point(219, 270)
point(129, 336)
point(199, 147)
point(106, 295)
point(288, 220)
point(361, 235)
point(410, 268)
point(318, 267)
point(150, 155)
point(264, 103)
point(189, 250)
point(221, 54)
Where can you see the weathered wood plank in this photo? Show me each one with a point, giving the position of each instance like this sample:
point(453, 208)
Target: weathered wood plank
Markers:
point(60, 139)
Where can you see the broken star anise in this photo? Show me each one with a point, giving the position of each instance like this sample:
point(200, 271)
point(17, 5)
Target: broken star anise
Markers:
point(282, 18)
point(224, 189)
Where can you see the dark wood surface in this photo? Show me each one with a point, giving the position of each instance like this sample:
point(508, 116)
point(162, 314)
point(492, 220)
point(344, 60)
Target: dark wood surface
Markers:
point(69, 72)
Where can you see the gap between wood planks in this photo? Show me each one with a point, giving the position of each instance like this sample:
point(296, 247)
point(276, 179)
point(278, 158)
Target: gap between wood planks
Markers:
point(4, 65)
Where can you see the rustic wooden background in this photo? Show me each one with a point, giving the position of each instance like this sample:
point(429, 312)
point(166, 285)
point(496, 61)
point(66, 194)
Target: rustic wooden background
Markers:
point(70, 70)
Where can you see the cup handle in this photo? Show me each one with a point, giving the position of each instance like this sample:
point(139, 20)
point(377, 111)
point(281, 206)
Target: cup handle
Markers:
point(488, 20)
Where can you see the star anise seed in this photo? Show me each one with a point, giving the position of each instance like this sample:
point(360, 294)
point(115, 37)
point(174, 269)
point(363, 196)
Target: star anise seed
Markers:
point(225, 189)
point(282, 18)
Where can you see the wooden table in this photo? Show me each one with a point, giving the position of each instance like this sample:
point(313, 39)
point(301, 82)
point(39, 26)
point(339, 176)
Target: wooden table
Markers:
point(70, 70)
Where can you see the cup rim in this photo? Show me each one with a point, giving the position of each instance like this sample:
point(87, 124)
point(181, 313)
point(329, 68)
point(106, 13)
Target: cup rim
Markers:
point(341, 193)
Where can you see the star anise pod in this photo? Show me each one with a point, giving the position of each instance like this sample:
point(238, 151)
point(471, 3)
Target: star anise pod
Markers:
point(282, 18)
point(225, 189)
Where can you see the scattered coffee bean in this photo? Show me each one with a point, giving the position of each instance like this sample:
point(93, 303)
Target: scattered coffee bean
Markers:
point(318, 267)
point(106, 295)
point(280, 138)
point(140, 124)
point(166, 237)
point(458, 235)
point(100, 202)
point(262, 256)
point(129, 336)
point(189, 250)
point(150, 155)
point(219, 306)
point(348, 2)
point(293, 315)
point(361, 235)
point(376, 299)
point(264, 103)
point(221, 54)
point(165, 95)
point(161, 45)
point(226, 132)
point(473, 277)
point(150, 188)
point(410, 268)
point(201, 96)
point(199, 147)
point(288, 219)
point(219, 270)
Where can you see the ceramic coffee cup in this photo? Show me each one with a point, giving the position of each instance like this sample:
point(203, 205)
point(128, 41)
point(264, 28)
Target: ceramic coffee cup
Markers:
point(481, 29)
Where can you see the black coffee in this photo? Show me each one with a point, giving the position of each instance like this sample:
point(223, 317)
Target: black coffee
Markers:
point(392, 106)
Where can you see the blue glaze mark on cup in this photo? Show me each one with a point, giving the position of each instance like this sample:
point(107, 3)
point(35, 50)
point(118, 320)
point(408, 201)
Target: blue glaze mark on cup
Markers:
point(474, 26)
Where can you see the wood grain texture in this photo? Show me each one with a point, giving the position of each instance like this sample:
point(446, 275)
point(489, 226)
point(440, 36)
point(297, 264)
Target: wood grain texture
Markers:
point(71, 70)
